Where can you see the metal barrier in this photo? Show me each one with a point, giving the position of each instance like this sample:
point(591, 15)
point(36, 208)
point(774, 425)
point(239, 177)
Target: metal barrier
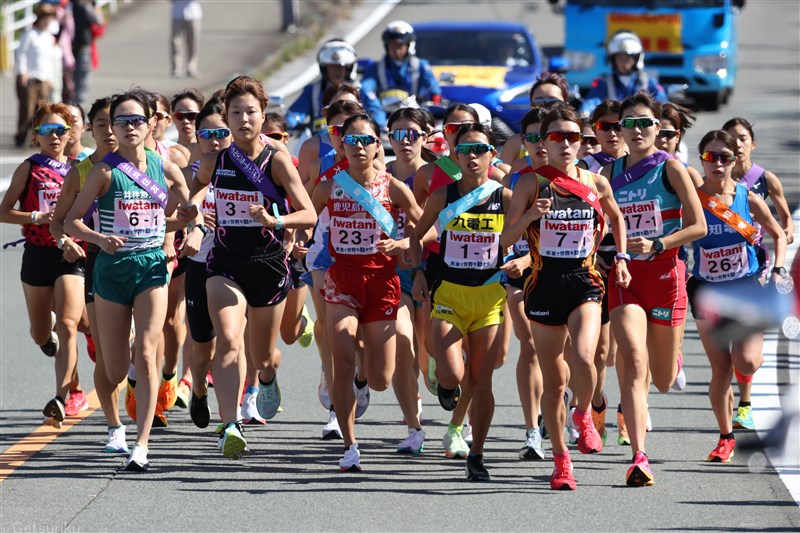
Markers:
point(18, 16)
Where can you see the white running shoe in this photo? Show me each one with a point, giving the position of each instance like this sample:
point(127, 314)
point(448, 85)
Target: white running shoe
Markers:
point(351, 462)
point(116, 440)
point(233, 443)
point(680, 381)
point(331, 430)
point(466, 433)
point(137, 462)
point(532, 449)
point(572, 431)
point(249, 411)
point(414, 443)
point(362, 399)
point(322, 392)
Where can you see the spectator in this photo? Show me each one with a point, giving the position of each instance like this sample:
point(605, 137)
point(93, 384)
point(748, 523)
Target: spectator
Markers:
point(186, 17)
point(86, 16)
point(35, 68)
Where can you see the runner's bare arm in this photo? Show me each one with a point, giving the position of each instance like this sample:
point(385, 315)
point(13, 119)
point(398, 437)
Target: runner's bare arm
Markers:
point(762, 215)
point(96, 185)
point(779, 201)
point(8, 214)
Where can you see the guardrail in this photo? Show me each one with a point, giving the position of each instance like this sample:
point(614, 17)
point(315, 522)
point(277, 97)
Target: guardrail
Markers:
point(18, 16)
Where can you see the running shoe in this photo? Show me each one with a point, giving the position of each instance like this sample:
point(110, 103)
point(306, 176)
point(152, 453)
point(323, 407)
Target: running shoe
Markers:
point(269, 398)
point(351, 462)
point(199, 410)
point(589, 440)
point(680, 380)
point(210, 379)
point(250, 411)
point(52, 422)
point(233, 443)
point(649, 426)
point(622, 430)
point(91, 349)
point(454, 444)
point(448, 398)
point(182, 397)
point(532, 449)
point(362, 399)
point(599, 419)
point(723, 452)
point(137, 461)
point(466, 432)
point(570, 427)
point(130, 401)
point(75, 403)
point(50, 348)
point(116, 440)
point(55, 410)
point(331, 430)
point(414, 443)
point(540, 422)
point(322, 392)
point(562, 478)
point(744, 418)
point(639, 474)
point(475, 469)
point(168, 393)
point(431, 383)
point(307, 337)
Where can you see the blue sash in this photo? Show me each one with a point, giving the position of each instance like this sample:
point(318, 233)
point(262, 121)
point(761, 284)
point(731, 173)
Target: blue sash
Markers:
point(467, 201)
point(358, 193)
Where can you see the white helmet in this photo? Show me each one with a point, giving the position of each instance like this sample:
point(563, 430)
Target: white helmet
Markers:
point(626, 42)
point(484, 115)
point(338, 52)
point(400, 30)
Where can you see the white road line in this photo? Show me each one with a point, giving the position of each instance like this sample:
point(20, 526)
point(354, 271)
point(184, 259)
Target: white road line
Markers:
point(767, 404)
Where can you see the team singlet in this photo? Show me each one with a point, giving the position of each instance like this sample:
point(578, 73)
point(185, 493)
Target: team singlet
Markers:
point(41, 193)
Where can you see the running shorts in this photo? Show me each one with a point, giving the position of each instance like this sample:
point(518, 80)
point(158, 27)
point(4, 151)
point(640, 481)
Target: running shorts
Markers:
point(296, 271)
point(658, 287)
point(88, 285)
point(200, 325)
point(121, 277)
point(43, 265)
point(553, 294)
point(374, 294)
point(265, 280)
point(469, 308)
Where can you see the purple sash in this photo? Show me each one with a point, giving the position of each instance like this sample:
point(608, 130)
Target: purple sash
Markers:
point(255, 175)
point(89, 212)
point(751, 176)
point(144, 181)
point(603, 158)
point(46, 161)
point(639, 170)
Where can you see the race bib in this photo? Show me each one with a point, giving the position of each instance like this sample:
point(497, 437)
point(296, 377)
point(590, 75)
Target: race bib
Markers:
point(566, 238)
point(401, 225)
point(137, 218)
point(355, 236)
point(233, 207)
point(472, 249)
point(724, 263)
point(209, 202)
point(642, 219)
point(48, 199)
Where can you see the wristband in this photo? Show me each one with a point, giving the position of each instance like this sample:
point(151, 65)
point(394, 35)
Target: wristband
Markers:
point(623, 257)
point(35, 217)
point(278, 222)
point(61, 242)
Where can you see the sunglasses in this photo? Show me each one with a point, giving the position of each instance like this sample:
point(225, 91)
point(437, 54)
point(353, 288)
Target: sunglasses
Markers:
point(365, 140)
point(411, 135)
point(47, 129)
point(452, 127)
point(641, 122)
point(668, 134)
point(474, 148)
point(335, 131)
point(187, 115)
point(213, 133)
point(277, 135)
point(559, 136)
point(545, 100)
point(713, 157)
point(161, 115)
point(590, 139)
point(608, 126)
point(130, 120)
point(532, 137)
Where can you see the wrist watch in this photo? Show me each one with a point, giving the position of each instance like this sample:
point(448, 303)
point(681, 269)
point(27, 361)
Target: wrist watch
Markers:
point(781, 271)
point(658, 246)
point(203, 229)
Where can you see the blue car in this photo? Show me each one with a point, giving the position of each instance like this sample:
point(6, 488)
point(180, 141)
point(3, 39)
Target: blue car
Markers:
point(490, 63)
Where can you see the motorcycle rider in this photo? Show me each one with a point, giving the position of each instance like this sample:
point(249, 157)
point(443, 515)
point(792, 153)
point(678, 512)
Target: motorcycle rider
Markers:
point(625, 55)
point(399, 74)
point(337, 61)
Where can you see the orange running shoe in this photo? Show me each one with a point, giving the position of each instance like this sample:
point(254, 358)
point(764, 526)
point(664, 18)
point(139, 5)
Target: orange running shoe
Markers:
point(599, 419)
point(130, 401)
point(168, 393)
point(723, 452)
point(622, 438)
point(639, 474)
point(562, 478)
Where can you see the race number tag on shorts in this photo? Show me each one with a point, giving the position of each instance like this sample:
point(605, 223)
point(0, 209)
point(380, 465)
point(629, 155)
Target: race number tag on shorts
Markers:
point(355, 236)
point(642, 219)
point(137, 218)
point(724, 263)
point(566, 238)
point(48, 199)
point(472, 249)
point(233, 207)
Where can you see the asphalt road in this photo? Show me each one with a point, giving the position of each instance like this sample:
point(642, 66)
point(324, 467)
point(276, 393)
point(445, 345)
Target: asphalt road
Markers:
point(291, 481)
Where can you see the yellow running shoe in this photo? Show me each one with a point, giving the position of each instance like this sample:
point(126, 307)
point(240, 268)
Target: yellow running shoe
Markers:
point(307, 337)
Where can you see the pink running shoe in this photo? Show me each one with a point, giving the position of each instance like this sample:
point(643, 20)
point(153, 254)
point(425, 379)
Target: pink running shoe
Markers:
point(75, 403)
point(639, 474)
point(562, 478)
point(589, 440)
